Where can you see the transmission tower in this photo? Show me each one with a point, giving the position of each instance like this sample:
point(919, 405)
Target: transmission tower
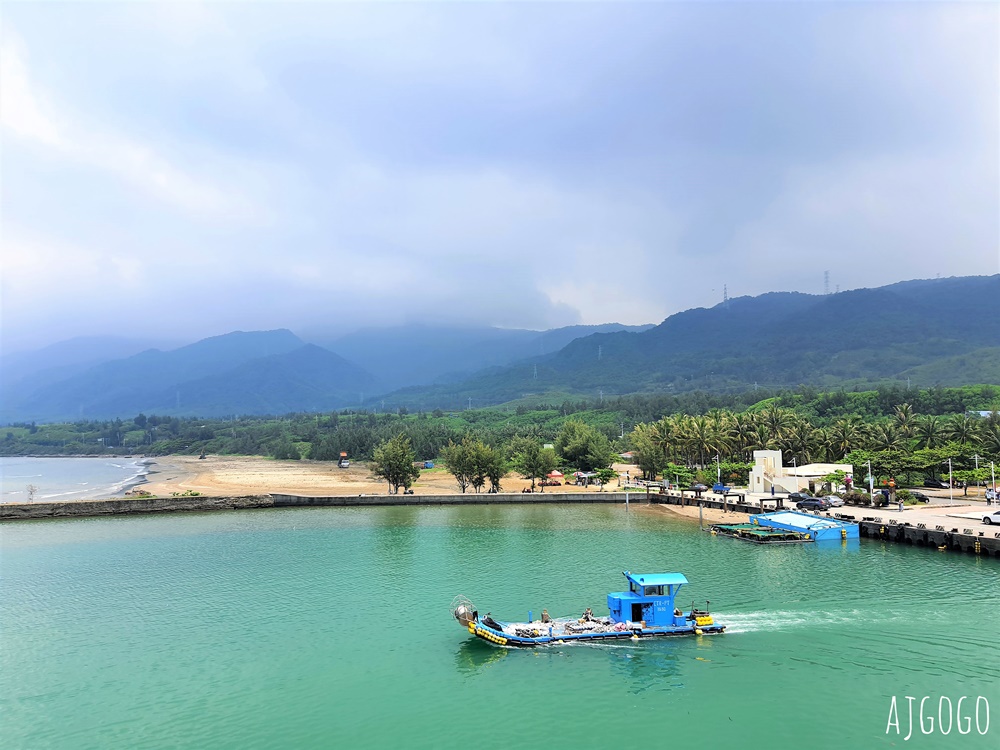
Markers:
point(826, 282)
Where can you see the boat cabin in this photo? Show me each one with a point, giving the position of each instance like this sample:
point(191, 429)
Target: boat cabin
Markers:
point(650, 599)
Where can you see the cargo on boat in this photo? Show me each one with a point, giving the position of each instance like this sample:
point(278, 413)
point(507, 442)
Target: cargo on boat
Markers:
point(751, 532)
point(647, 609)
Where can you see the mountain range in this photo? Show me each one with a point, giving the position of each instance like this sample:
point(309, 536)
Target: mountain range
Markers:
point(940, 331)
point(257, 372)
point(944, 331)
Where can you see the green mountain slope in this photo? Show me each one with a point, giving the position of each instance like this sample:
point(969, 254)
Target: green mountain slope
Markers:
point(777, 339)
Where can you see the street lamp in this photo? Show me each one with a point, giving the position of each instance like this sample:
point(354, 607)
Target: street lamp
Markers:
point(871, 480)
point(718, 469)
point(951, 486)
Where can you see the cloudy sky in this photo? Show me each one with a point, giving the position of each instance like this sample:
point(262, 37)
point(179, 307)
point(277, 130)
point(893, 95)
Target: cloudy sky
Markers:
point(182, 170)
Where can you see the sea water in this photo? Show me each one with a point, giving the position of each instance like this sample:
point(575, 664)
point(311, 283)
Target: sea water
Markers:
point(67, 478)
point(330, 627)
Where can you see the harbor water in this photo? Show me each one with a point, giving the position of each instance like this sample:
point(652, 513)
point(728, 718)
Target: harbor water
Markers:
point(330, 627)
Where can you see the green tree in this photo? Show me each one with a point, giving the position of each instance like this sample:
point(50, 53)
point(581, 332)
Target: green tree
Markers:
point(605, 475)
point(285, 450)
point(647, 451)
point(530, 459)
point(393, 461)
point(458, 460)
point(584, 447)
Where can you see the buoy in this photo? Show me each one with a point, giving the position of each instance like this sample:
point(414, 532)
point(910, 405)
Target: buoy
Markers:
point(699, 631)
point(634, 637)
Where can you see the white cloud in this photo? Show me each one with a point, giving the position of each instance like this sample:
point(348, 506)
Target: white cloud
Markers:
point(28, 114)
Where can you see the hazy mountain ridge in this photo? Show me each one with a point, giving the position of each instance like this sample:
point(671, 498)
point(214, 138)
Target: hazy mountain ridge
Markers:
point(944, 330)
point(776, 339)
point(404, 356)
point(260, 372)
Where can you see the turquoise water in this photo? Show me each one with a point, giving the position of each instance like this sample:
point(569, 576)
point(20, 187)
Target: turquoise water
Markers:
point(67, 477)
point(330, 627)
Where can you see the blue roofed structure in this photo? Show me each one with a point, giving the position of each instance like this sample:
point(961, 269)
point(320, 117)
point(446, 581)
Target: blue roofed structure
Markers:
point(820, 528)
point(650, 599)
point(656, 579)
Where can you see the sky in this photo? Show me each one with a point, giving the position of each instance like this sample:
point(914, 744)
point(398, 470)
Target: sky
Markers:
point(182, 170)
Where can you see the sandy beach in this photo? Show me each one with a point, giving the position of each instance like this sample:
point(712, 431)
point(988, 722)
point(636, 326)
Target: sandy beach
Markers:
point(255, 475)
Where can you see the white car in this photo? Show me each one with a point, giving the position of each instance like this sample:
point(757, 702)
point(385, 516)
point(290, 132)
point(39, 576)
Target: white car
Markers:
point(993, 517)
point(835, 500)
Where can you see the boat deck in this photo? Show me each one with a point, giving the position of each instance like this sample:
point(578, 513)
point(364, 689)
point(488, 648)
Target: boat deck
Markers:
point(563, 630)
point(749, 532)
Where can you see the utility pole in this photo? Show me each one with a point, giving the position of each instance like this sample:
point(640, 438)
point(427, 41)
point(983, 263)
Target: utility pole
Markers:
point(598, 353)
point(470, 402)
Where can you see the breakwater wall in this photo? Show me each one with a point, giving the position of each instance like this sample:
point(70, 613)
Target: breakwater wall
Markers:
point(132, 505)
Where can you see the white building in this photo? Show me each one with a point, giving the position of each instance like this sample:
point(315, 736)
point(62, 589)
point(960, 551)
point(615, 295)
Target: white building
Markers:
point(768, 471)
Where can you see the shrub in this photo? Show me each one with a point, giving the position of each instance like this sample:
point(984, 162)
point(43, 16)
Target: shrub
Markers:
point(857, 498)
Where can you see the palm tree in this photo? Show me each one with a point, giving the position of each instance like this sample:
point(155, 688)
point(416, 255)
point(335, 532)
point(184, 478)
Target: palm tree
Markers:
point(845, 434)
point(664, 435)
point(929, 432)
point(701, 437)
point(886, 437)
point(776, 420)
point(905, 420)
point(801, 441)
point(962, 429)
point(741, 434)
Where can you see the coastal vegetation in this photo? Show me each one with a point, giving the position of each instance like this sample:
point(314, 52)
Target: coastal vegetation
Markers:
point(905, 433)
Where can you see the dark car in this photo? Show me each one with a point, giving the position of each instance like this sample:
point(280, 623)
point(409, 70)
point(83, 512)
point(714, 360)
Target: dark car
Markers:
point(935, 484)
point(919, 496)
point(813, 503)
point(699, 487)
point(798, 496)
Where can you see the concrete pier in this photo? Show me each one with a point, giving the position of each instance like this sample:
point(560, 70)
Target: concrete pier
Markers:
point(950, 537)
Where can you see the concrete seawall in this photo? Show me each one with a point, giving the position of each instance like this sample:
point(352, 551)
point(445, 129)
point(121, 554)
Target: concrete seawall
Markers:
point(132, 505)
point(944, 538)
point(129, 505)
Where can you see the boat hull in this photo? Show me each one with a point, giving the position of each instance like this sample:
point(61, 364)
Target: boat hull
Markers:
point(500, 638)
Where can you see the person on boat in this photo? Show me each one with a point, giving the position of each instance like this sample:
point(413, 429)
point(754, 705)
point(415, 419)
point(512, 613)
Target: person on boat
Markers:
point(588, 615)
point(677, 612)
point(545, 616)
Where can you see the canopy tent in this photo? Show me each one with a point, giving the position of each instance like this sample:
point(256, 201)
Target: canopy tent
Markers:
point(555, 474)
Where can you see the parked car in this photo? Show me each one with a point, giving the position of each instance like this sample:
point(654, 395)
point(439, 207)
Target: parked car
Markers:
point(835, 500)
point(993, 517)
point(935, 484)
point(813, 503)
point(919, 496)
point(699, 487)
point(795, 497)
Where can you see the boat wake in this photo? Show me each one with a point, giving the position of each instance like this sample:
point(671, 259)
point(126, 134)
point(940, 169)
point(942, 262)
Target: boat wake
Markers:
point(771, 620)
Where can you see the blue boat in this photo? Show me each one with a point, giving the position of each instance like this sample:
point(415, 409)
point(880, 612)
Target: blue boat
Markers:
point(646, 610)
